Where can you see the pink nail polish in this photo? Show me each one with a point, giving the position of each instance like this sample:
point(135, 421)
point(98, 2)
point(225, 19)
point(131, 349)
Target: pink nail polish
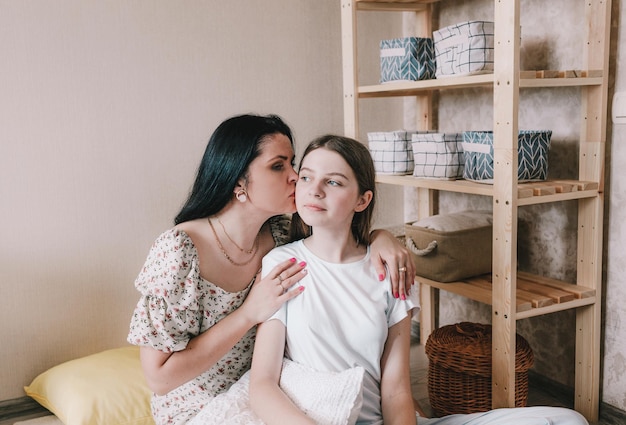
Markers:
point(302, 264)
point(395, 295)
point(293, 260)
point(381, 277)
point(403, 297)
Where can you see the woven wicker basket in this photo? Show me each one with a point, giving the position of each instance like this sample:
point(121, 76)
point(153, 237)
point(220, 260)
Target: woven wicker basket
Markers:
point(459, 369)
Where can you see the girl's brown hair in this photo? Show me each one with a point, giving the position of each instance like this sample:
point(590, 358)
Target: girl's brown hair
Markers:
point(360, 161)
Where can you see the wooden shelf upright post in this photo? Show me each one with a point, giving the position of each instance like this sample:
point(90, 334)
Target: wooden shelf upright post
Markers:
point(591, 210)
point(505, 131)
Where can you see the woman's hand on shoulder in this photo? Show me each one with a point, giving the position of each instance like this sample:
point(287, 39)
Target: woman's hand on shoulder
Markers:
point(269, 293)
point(387, 251)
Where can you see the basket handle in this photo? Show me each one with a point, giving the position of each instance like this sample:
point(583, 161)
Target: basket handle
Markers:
point(420, 252)
point(472, 330)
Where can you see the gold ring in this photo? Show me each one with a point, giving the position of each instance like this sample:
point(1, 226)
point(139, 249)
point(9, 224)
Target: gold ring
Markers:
point(402, 269)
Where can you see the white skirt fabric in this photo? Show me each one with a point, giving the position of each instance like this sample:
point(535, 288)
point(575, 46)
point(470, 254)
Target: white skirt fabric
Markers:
point(536, 415)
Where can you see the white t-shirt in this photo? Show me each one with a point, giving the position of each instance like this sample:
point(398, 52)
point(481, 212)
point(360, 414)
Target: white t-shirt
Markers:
point(342, 318)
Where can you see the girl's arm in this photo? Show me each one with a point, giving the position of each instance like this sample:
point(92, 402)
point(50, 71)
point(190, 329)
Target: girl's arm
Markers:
point(386, 250)
point(267, 400)
point(395, 388)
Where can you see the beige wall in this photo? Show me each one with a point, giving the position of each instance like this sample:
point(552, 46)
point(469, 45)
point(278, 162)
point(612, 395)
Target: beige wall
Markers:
point(105, 109)
point(614, 330)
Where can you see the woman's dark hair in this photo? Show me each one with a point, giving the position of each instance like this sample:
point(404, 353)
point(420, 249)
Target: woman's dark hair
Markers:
point(360, 161)
point(234, 144)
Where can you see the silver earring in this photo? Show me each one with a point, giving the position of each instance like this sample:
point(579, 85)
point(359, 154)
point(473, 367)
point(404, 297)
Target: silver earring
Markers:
point(242, 195)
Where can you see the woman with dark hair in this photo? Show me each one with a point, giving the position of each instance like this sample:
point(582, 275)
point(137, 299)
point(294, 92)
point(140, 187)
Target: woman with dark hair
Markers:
point(201, 292)
point(226, 159)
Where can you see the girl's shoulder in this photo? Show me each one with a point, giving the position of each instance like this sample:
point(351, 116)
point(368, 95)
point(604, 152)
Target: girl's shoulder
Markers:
point(286, 250)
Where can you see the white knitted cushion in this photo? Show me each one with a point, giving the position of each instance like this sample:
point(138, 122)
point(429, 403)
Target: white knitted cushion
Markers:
point(329, 398)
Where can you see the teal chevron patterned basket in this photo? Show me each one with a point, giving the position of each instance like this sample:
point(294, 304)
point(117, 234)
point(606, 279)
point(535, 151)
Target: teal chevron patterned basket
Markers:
point(532, 155)
point(407, 58)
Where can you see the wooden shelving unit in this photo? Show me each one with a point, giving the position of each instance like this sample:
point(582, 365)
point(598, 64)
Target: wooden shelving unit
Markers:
point(512, 295)
point(408, 88)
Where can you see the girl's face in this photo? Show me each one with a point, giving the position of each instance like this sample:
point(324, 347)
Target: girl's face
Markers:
point(327, 193)
point(271, 179)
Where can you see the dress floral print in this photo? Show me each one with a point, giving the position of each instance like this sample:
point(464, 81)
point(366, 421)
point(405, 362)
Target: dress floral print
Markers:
point(177, 304)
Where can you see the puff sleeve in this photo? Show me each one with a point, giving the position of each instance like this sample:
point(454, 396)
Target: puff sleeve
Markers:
point(168, 313)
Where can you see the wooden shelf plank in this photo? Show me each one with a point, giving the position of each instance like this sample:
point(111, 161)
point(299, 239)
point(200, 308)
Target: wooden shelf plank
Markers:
point(391, 5)
point(476, 291)
point(359, 3)
point(557, 295)
point(578, 290)
point(535, 295)
point(409, 88)
point(401, 2)
point(527, 193)
point(463, 186)
point(570, 73)
point(536, 300)
point(560, 82)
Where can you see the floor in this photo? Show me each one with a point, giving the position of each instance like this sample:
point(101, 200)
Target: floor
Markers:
point(538, 394)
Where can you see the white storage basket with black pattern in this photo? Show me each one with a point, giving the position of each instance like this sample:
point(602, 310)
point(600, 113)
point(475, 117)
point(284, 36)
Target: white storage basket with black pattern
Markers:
point(464, 48)
point(391, 151)
point(438, 155)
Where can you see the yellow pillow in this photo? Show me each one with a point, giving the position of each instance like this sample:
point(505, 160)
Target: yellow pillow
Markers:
point(106, 388)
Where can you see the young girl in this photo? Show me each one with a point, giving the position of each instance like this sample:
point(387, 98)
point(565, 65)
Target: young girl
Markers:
point(346, 318)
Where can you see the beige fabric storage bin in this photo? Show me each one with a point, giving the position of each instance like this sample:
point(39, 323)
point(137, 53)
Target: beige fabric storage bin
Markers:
point(451, 247)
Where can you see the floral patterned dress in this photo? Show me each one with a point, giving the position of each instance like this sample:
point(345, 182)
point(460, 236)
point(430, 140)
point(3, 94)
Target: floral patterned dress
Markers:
point(177, 304)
